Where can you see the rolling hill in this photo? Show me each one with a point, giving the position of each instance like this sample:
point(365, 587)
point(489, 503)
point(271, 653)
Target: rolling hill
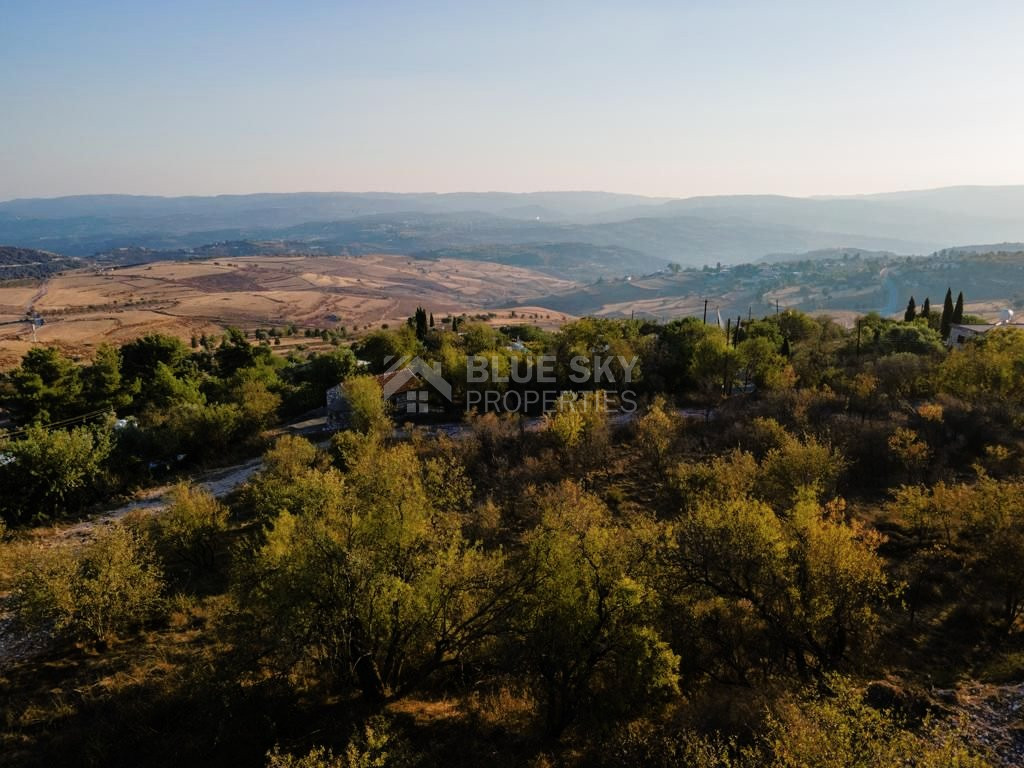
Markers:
point(569, 232)
point(19, 263)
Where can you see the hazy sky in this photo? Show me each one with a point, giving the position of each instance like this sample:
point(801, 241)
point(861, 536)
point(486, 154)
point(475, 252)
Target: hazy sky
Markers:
point(676, 98)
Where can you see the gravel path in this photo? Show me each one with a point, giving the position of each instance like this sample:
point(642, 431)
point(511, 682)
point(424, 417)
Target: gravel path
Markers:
point(18, 646)
point(219, 482)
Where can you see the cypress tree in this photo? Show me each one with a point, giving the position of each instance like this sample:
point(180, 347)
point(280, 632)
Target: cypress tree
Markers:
point(926, 309)
point(958, 310)
point(911, 312)
point(421, 323)
point(431, 319)
point(947, 314)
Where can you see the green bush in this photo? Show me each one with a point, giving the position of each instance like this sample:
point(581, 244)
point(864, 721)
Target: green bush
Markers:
point(51, 473)
point(110, 585)
point(188, 529)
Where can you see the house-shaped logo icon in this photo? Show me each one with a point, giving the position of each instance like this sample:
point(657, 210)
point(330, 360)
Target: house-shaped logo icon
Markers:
point(400, 375)
point(406, 384)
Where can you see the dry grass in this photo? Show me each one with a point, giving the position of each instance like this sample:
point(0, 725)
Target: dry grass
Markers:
point(87, 307)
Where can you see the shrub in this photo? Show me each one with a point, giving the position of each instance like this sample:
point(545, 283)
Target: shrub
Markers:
point(189, 527)
point(376, 746)
point(841, 730)
point(92, 595)
point(795, 465)
point(655, 434)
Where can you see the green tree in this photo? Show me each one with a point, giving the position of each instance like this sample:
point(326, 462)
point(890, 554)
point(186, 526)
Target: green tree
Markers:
point(420, 319)
point(958, 310)
point(370, 588)
point(52, 473)
point(911, 312)
point(384, 347)
point(141, 356)
point(258, 404)
point(369, 411)
point(478, 338)
point(312, 379)
point(669, 364)
point(797, 466)
point(917, 338)
point(656, 433)
point(235, 353)
point(103, 386)
point(44, 388)
point(808, 582)
point(579, 425)
point(984, 524)
point(763, 364)
point(713, 367)
point(947, 314)
point(586, 626)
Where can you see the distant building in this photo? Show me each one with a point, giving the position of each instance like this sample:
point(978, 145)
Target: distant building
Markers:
point(960, 334)
point(397, 383)
point(408, 389)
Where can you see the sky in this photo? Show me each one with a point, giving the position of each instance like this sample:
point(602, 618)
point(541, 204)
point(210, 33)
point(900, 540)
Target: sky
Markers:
point(660, 98)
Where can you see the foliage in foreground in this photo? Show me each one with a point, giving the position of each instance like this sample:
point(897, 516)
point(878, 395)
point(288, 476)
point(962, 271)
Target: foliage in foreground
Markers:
point(111, 585)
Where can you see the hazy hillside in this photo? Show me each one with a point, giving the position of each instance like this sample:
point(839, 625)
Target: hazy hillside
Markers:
point(995, 201)
point(647, 231)
point(557, 258)
point(825, 254)
point(646, 242)
point(187, 214)
point(987, 248)
point(919, 219)
point(18, 263)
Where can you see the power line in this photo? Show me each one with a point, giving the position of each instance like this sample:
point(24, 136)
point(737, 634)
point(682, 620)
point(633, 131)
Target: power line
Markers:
point(61, 423)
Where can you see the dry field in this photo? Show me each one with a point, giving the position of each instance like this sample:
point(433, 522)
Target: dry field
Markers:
point(84, 308)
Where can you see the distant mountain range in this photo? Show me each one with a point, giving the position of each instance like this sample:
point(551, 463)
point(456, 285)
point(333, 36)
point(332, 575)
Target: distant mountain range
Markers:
point(567, 232)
